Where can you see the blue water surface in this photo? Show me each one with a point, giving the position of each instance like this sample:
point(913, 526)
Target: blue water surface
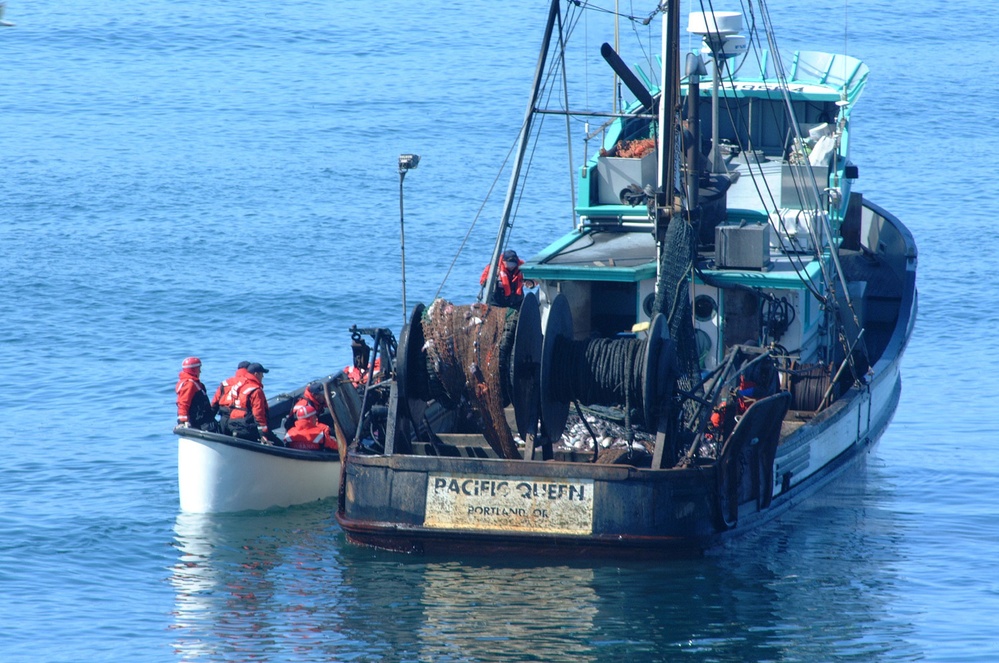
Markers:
point(220, 179)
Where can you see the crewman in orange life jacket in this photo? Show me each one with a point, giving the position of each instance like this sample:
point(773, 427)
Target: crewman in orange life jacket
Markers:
point(193, 408)
point(357, 372)
point(745, 396)
point(226, 393)
point(249, 416)
point(308, 433)
point(314, 397)
point(358, 375)
point(509, 291)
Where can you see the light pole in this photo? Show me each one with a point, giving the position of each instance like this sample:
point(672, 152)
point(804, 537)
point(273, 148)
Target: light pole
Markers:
point(407, 162)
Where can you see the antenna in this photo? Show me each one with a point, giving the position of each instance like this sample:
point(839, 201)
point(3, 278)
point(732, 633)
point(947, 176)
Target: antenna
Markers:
point(720, 33)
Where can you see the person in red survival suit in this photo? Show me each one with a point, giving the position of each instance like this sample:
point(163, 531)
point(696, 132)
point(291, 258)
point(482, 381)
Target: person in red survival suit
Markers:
point(509, 291)
point(745, 396)
point(226, 393)
point(248, 418)
point(193, 408)
point(308, 433)
point(358, 375)
point(313, 397)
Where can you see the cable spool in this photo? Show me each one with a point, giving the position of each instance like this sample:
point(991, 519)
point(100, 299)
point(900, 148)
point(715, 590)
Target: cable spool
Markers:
point(554, 406)
point(631, 373)
point(809, 383)
point(486, 356)
point(525, 376)
point(411, 369)
point(657, 373)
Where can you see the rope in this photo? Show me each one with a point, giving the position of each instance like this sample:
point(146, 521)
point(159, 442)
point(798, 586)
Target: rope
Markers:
point(599, 371)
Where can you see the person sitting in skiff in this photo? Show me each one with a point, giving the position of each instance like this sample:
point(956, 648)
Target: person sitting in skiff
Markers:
point(193, 407)
point(314, 397)
point(308, 433)
point(509, 290)
point(225, 393)
point(249, 416)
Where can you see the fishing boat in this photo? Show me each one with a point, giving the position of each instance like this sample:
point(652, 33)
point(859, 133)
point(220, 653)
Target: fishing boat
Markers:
point(717, 339)
point(219, 473)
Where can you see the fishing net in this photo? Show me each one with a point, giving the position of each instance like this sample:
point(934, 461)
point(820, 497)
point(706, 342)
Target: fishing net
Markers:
point(673, 300)
point(467, 350)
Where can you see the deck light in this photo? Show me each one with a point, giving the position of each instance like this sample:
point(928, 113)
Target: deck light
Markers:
point(407, 162)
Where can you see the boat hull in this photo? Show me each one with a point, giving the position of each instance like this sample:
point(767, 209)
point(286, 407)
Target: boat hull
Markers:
point(428, 504)
point(218, 474)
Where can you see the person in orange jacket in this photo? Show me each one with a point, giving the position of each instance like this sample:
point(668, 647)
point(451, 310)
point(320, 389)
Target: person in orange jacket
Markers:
point(226, 393)
point(314, 397)
point(358, 375)
point(193, 408)
point(308, 433)
point(745, 396)
point(509, 291)
point(222, 391)
point(249, 416)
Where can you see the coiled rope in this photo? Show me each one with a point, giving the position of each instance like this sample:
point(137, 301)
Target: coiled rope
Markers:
point(599, 371)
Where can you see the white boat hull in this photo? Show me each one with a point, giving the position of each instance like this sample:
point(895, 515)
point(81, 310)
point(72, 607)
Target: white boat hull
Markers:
point(217, 476)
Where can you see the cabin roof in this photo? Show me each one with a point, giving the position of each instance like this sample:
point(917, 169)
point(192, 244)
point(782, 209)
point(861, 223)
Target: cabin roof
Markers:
point(600, 255)
point(595, 255)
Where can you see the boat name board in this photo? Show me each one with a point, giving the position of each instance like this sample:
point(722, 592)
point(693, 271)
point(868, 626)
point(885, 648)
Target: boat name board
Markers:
point(530, 504)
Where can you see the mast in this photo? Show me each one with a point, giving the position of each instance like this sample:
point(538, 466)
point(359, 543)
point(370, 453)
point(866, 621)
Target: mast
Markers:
point(668, 103)
point(525, 130)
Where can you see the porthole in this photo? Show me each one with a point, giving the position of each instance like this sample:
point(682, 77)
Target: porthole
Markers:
point(704, 308)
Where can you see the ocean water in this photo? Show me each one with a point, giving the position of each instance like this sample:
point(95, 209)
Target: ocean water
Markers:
point(220, 179)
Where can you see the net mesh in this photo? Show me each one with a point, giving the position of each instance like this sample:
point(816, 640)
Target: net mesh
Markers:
point(467, 350)
point(673, 301)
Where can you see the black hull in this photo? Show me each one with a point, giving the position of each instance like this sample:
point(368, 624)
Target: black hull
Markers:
point(637, 513)
point(640, 514)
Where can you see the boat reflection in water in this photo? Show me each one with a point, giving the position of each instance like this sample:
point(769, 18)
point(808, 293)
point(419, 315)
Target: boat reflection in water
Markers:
point(285, 583)
point(249, 584)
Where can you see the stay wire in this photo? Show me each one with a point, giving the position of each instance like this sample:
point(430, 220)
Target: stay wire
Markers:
point(468, 234)
point(754, 41)
point(478, 213)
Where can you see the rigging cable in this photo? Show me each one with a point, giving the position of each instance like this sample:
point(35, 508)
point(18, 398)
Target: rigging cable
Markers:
point(787, 100)
point(848, 344)
point(785, 93)
point(792, 259)
point(568, 121)
point(468, 234)
point(547, 87)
